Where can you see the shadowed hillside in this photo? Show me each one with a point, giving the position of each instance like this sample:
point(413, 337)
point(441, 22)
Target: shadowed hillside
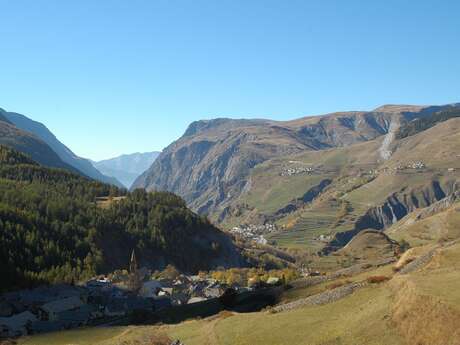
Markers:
point(63, 152)
point(31, 145)
point(51, 229)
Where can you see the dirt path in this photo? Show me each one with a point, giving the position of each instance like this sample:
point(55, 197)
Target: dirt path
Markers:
point(209, 328)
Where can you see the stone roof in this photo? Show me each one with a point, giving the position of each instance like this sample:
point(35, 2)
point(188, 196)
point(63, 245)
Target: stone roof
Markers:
point(19, 320)
point(196, 300)
point(116, 306)
point(75, 316)
point(62, 305)
point(134, 303)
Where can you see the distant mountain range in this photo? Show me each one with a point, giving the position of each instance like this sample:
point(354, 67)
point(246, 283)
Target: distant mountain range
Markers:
point(126, 168)
point(34, 139)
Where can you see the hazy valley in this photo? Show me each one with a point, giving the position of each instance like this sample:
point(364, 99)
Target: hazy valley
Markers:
point(126, 168)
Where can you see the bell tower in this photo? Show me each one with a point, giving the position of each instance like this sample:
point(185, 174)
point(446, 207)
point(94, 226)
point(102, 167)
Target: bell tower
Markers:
point(134, 281)
point(133, 263)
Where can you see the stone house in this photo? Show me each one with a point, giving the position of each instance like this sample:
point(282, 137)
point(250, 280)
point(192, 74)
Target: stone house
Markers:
point(115, 307)
point(196, 300)
point(161, 303)
point(6, 309)
point(16, 325)
point(50, 311)
point(150, 289)
point(122, 306)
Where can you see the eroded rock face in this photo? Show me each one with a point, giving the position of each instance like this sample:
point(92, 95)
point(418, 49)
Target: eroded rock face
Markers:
point(397, 206)
point(439, 206)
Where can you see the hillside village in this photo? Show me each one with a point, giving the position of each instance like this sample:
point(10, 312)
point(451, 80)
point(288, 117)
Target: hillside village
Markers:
point(254, 232)
point(104, 301)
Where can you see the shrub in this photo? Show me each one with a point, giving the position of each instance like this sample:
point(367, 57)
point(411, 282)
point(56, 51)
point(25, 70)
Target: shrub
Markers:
point(225, 314)
point(335, 285)
point(377, 279)
point(404, 246)
point(156, 339)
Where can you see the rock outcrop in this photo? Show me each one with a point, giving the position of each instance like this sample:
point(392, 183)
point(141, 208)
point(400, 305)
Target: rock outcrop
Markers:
point(395, 208)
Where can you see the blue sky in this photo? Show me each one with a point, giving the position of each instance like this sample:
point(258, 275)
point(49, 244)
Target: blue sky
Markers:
point(113, 77)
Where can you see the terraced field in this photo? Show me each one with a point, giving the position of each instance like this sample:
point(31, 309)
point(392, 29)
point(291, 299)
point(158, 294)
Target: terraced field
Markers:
point(323, 217)
point(305, 232)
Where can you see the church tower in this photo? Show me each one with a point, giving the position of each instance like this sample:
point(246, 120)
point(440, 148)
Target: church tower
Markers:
point(133, 263)
point(134, 281)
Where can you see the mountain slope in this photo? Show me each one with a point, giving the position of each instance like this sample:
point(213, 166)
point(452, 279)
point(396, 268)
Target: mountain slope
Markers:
point(126, 168)
point(365, 191)
point(424, 123)
point(210, 164)
point(64, 153)
point(3, 118)
point(28, 143)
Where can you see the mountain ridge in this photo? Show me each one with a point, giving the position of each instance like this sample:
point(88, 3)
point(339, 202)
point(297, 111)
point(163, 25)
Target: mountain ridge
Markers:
point(65, 154)
point(210, 164)
point(28, 143)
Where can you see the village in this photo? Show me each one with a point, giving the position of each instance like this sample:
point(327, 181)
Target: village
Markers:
point(296, 170)
point(104, 300)
point(254, 232)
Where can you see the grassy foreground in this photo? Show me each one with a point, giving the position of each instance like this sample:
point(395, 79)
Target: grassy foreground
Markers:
point(421, 307)
point(336, 323)
point(416, 309)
